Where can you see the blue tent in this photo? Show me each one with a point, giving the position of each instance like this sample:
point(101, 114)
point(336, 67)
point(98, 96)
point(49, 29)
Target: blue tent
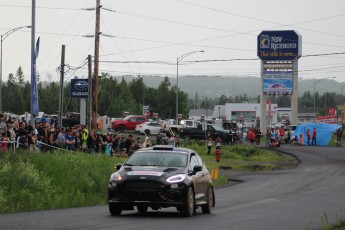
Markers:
point(324, 132)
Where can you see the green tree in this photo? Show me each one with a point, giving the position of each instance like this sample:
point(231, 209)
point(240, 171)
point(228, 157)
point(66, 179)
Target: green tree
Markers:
point(20, 76)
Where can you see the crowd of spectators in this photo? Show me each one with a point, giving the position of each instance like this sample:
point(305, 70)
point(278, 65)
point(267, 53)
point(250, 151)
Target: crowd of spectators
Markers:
point(44, 137)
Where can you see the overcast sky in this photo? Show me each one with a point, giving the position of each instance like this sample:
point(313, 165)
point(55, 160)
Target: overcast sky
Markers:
point(159, 31)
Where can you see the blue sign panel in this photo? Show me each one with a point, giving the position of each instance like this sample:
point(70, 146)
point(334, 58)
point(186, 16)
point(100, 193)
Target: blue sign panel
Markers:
point(277, 82)
point(79, 88)
point(279, 45)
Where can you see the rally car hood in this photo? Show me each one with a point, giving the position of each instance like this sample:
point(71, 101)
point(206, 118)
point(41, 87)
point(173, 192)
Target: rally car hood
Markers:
point(154, 171)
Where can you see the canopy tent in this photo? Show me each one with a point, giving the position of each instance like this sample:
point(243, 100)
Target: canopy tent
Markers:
point(324, 132)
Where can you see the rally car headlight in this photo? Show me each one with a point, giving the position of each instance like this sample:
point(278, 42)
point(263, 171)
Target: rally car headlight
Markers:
point(116, 177)
point(177, 178)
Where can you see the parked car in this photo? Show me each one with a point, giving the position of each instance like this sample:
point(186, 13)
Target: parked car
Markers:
point(150, 127)
point(199, 133)
point(160, 177)
point(128, 123)
point(171, 126)
point(71, 120)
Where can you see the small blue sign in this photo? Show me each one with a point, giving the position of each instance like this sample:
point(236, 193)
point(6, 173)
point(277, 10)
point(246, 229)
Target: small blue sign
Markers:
point(285, 45)
point(79, 88)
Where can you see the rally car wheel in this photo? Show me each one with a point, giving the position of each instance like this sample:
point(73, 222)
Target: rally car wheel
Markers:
point(206, 209)
point(188, 208)
point(114, 210)
point(142, 209)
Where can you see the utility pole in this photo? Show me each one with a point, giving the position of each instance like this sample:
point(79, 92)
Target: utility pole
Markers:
point(62, 73)
point(89, 97)
point(33, 31)
point(95, 72)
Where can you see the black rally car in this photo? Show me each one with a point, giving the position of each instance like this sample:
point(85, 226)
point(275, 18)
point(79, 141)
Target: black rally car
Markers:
point(161, 177)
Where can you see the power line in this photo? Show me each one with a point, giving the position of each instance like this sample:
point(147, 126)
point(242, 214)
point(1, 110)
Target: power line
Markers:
point(267, 21)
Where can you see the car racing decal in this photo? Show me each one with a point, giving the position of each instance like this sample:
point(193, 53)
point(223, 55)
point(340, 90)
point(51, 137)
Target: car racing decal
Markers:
point(146, 173)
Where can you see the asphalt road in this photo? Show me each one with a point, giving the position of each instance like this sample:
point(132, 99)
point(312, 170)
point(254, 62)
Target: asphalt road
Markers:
point(287, 199)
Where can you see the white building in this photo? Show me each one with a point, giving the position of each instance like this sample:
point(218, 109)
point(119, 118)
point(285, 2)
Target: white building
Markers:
point(249, 112)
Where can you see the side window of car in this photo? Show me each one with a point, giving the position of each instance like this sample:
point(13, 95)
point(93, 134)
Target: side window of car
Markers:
point(199, 160)
point(193, 162)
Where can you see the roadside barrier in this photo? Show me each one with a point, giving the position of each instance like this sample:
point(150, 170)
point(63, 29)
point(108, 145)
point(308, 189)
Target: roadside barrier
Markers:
point(214, 174)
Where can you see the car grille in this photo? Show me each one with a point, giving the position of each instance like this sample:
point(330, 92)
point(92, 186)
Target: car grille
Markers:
point(143, 186)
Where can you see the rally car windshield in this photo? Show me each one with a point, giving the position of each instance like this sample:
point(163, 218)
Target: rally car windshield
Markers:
point(163, 159)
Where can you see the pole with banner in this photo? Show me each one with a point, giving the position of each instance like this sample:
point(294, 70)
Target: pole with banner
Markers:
point(34, 90)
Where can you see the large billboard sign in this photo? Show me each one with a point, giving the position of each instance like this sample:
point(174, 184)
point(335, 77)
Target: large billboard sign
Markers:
point(279, 45)
point(277, 82)
point(79, 88)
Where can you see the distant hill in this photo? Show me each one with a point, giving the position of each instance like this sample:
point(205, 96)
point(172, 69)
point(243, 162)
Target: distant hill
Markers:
point(215, 86)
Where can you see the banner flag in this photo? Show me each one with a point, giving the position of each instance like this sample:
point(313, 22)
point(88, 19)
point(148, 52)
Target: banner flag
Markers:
point(34, 90)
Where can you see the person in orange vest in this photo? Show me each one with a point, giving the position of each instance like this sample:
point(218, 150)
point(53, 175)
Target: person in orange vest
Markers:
point(308, 136)
point(301, 139)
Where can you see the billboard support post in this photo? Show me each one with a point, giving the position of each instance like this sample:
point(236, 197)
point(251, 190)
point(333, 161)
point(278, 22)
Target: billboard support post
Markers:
point(279, 52)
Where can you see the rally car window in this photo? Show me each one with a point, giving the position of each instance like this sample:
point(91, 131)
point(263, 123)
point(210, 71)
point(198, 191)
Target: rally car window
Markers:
point(199, 160)
point(193, 162)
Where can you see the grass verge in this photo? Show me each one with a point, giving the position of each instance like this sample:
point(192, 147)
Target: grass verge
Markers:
point(42, 181)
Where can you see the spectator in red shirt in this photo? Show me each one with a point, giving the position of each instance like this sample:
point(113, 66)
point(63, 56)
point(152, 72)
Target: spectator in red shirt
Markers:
point(313, 141)
point(308, 135)
point(281, 134)
point(251, 137)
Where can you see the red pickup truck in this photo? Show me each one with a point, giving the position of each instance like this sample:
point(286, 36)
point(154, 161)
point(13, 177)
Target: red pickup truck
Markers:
point(128, 123)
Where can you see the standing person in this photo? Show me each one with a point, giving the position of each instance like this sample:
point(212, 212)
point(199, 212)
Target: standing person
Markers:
point(268, 137)
point(147, 142)
point(313, 141)
point(281, 134)
point(301, 139)
point(339, 135)
point(61, 138)
point(308, 136)
point(70, 140)
point(5, 140)
point(209, 145)
point(218, 152)
point(53, 139)
point(257, 137)
point(218, 142)
point(129, 145)
point(11, 135)
point(177, 141)
point(91, 142)
point(172, 140)
point(251, 137)
point(159, 139)
point(2, 123)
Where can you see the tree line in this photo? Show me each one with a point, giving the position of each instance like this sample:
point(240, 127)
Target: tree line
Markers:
point(116, 97)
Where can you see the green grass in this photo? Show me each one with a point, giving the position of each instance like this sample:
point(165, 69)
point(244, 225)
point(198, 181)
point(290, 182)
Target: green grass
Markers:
point(41, 181)
point(339, 224)
point(37, 181)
